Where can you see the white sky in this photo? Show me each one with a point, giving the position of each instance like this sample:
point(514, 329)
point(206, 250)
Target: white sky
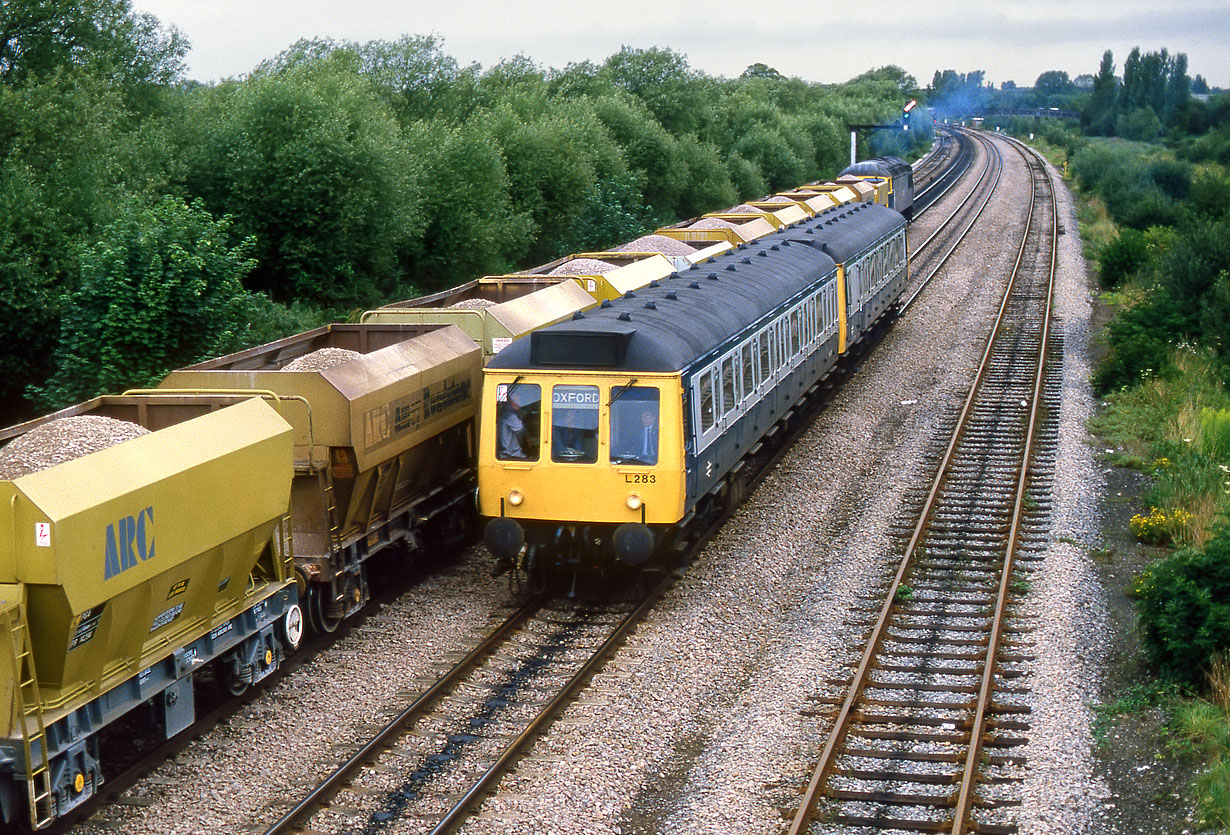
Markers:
point(822, 40)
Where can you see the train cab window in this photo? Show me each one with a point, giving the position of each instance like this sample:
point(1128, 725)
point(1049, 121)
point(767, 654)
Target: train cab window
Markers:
point(708, 412)
point(634, 425)
point(518, 410)
point(730, 385)
point(574, 424)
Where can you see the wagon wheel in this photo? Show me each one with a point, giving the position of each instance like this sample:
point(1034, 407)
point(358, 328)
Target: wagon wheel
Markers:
point(324, 612)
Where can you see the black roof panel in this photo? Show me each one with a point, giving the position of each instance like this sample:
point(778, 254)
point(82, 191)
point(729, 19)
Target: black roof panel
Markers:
point(671, 323)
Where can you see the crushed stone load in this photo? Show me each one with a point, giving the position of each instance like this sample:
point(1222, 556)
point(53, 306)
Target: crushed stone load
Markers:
point(777, 198)
point(321, 359)
point(657, 243)
point(583, 266)
point(63, 440)
point(712, 223)
point(473, 304)
point(744, 209)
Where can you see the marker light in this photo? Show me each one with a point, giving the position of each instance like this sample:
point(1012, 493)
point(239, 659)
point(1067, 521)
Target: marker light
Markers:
point(515, 498)
point(634, 502)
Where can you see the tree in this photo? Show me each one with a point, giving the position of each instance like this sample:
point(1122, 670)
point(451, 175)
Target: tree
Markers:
point(39, 37)
point(161, 288)
point(312, 164)
point(759, 70)
point(1099, 116)
point(661, 78)
point(1052, 83)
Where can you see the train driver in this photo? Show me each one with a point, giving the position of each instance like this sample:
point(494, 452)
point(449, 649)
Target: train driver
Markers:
point(635, 427)
point(511, 429)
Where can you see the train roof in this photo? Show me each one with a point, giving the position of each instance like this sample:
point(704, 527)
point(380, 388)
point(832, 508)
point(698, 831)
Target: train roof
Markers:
point(879, 167)
point(669, 324)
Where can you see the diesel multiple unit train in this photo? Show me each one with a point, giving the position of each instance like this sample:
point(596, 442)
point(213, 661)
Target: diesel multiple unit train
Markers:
point(606, 435)
point(163, 539)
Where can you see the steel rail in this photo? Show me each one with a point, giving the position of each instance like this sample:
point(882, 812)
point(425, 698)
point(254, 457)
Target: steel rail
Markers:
point(965, 798)
point(475, 794)
point(960, 238)
point(854, 692)
point(953, 174)
point(337, 780)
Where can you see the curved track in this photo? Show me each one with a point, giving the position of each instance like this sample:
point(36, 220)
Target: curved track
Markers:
point(922, 735)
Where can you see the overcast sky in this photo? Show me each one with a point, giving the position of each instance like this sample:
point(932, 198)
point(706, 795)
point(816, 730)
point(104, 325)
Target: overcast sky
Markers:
point(825, 41)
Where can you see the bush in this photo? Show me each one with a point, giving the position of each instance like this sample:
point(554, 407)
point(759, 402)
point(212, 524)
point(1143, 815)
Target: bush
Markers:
point(1184, 608)
point(1140, 340)
point(161, 289)
point(1122, 257)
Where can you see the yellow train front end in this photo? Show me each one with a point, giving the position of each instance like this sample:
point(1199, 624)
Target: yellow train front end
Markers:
point(576, 468)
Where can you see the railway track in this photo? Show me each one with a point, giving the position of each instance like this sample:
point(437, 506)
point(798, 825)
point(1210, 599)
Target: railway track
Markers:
point(924, 734)
point(433, 761)
point(928, 257)
point(939, 171)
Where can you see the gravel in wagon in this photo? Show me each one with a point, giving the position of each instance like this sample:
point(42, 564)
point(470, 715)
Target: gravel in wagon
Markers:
point(321, 359)
point(61, 440)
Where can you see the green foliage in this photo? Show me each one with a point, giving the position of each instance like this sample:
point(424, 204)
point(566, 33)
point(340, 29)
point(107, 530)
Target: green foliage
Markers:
point(39, 38)
point(162, 288)
point(1204, 728)
point(311, 163)
point(1122, 257)
point(69, 155)
point(470, 227)
point(1141, 339)
point(1184, 608)
point(614, 213)
point(649, 150)
point(746, 176)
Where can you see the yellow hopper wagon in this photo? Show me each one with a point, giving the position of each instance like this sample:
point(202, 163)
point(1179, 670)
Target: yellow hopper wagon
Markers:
point(384, 438)
point(129, 568)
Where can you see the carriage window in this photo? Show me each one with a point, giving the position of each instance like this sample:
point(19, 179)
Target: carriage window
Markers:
point(749, 371)
point(795, 331)
point(728, 384)
point(518, 409)
point(766, 361)
point(707, 412)
point(574, 424)
point(634, 425)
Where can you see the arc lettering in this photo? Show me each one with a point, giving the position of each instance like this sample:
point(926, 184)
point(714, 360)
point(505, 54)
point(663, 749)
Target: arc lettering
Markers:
point(129, 541)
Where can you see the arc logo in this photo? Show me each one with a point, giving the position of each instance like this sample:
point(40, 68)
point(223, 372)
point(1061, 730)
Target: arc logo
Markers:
point(129, 540)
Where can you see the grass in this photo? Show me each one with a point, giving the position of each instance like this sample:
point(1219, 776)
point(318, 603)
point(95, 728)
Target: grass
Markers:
point(1177, 430)
point(1201, 728)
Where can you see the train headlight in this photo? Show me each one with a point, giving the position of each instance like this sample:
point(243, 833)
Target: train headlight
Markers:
point(515, 498)
point(634, 502)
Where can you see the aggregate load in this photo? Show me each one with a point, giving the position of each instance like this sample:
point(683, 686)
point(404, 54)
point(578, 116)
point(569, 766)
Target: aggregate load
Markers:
point(777, 198)
point(583, 266)
point(744, 209)
point(474, 304)
point(63, 440)
point(712, 223)
point(321, 359)
point(657, 243)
